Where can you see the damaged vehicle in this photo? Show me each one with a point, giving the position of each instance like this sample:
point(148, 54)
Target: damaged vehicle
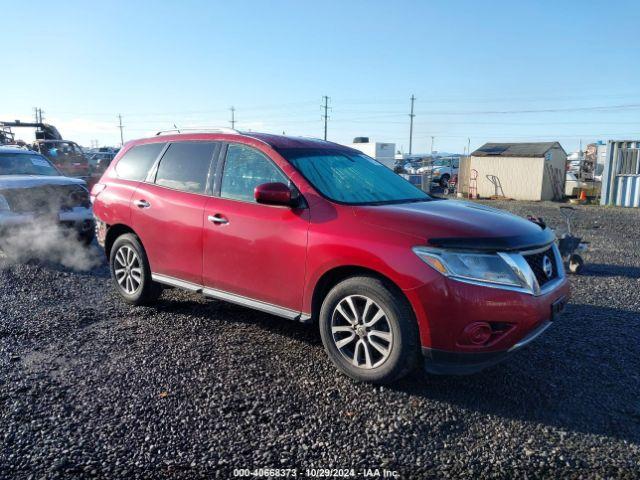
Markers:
point(67, 156)
point(35, 196)
point(318, 232)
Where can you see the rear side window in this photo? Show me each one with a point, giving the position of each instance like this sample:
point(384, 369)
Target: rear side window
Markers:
point(244, 169)
point(185, 166)
point(136, 162)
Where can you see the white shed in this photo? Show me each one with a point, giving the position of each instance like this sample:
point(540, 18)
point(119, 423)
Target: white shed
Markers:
point(522, 171)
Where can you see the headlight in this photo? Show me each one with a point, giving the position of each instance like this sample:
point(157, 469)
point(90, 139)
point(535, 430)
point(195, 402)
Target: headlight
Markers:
point(4, 205)
point(480, 267)
point(436, 172)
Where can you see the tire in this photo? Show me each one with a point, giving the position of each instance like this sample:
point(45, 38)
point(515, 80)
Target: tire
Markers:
point(87, 237)
point(444, 181)
point(576, 264)
point(139, 289)
point(397, 320)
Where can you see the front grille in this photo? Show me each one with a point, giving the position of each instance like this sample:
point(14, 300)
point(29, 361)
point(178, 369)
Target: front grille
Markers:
point(46, 199)
point(536, 262)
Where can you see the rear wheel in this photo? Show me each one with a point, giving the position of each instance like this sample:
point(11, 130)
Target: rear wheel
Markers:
point(131, 273)
point(369, 330)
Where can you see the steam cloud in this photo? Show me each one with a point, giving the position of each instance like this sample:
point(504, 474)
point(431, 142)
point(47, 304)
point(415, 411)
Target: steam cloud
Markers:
point(47, 242)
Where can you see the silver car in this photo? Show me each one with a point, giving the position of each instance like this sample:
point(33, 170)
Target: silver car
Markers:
point(34, 193)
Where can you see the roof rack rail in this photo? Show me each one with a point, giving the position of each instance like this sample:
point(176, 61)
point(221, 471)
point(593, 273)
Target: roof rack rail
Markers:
point(198, 130)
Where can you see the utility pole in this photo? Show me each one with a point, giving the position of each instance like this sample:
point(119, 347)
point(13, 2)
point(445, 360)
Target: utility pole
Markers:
point(325, 116)
point(233, 117)
point(121, 127)
point(411, 115)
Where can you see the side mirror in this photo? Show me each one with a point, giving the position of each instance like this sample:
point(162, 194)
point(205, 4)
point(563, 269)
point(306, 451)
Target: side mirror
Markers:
point(276, 193)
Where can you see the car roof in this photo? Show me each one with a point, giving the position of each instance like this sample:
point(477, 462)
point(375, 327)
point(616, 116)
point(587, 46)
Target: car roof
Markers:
point(285, 141)
point(16, 149)
point(274, 141)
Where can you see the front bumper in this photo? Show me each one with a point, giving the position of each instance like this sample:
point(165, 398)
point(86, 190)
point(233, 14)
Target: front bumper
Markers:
point(445, 307)
point(79, 218)
point(441, 362)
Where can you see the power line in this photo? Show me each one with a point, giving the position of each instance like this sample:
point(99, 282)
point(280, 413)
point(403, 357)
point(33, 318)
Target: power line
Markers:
point(325, 116)
point(626, 106)
point(411, 115)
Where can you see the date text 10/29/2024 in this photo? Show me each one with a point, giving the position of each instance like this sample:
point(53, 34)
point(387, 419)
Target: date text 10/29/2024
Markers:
point(316, 473)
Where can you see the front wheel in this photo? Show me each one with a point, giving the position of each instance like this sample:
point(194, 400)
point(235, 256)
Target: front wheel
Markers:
point(86, 238)
point(368, 330)
point(444, 181)
point(131, 273)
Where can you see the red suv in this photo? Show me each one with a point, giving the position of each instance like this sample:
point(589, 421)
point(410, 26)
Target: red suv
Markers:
point(317, 232)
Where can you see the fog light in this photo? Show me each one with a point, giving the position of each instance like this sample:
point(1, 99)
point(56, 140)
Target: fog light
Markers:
point(477, 333)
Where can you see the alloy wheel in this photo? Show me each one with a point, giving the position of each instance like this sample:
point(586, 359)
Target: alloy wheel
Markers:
point(361, 331)
point(127, 269)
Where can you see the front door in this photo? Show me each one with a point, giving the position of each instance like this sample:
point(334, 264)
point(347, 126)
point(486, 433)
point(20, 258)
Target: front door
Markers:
point(253, 250)
point(167, 210)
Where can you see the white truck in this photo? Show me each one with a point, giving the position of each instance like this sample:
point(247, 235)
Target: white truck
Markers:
point(442, 169)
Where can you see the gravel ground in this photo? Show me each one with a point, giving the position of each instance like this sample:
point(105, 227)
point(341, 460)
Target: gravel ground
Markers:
point(194, 388)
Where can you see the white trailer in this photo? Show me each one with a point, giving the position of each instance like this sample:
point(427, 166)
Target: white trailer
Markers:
point(382, 152)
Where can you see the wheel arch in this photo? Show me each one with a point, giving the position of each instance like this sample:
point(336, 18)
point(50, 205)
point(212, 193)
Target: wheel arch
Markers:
point(333, 276)
point(113, 232)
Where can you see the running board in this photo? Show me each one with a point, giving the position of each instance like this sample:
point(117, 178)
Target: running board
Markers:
point(232, 298)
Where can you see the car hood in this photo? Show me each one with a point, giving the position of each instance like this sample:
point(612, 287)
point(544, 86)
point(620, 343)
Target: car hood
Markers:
point(29, 181)
point(458, 224)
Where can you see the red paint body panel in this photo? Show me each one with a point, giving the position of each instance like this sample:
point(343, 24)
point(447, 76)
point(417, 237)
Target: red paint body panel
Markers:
point(446, 307)
point(277, 254)
point(113, 207)
point(259, 254)
point(170, 230)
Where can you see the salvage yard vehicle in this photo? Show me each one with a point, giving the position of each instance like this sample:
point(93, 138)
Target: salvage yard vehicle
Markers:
point(67, 156)
point(441, 170)
point(98, 162)
point(34, 193)
point(317, 232)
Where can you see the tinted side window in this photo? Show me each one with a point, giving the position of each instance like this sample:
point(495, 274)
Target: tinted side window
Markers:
point(244, 169)
point(135, 164)
point(185, 166)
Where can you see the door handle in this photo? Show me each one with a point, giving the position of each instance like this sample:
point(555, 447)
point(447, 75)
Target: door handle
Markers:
point(217, 219)
point(142, 204)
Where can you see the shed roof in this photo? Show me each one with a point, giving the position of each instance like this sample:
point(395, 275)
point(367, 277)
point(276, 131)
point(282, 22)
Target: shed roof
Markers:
point(533, 149)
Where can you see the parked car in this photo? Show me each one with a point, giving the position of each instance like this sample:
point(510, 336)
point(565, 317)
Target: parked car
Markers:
point(67, 156)
point(32, 190)
point(317, 232)
point(98, 162)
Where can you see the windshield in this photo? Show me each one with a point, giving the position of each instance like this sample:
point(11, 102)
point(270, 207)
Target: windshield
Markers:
point(352, 178)
point(25, 164)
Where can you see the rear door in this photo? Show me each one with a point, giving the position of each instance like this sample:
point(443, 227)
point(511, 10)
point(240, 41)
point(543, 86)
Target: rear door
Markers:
point(252, 250)
point(167, 209)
